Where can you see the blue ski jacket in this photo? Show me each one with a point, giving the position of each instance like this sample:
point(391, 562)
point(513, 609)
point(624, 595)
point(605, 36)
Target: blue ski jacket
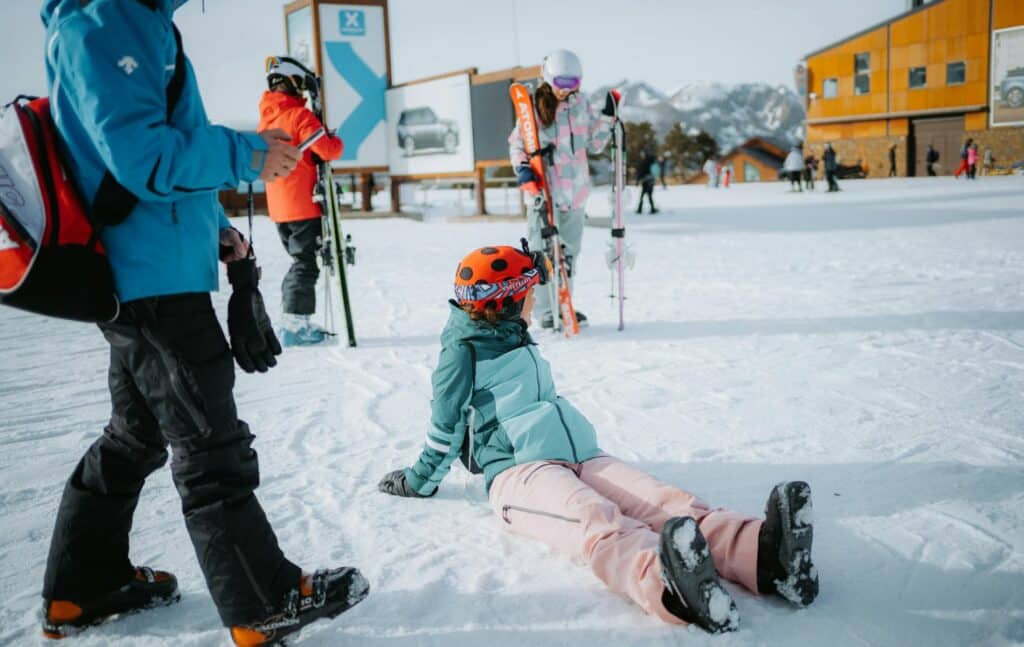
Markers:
point(108, 65)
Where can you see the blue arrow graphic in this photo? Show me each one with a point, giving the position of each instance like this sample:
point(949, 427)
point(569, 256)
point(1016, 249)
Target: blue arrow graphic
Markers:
point(370, 111)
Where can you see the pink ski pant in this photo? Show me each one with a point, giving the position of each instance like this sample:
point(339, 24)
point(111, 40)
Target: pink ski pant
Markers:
point(610, 514)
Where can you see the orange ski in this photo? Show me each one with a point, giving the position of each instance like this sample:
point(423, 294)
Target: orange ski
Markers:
point(523, 104)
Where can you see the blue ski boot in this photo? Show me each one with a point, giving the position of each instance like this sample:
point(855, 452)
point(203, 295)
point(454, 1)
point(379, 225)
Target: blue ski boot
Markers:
point(297, 330)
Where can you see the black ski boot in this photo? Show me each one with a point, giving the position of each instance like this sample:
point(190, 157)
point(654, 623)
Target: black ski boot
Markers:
point(784, 563)
point(149, 589)
point(547, 322)
point(581, 319)
point(692, 590)
point(324, 594)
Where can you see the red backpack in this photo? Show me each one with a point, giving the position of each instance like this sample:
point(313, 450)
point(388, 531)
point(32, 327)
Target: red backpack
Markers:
point(51, 260)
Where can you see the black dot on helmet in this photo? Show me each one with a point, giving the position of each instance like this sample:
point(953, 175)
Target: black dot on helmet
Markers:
point(489, 250)
point(466, 273)
point(499, 265)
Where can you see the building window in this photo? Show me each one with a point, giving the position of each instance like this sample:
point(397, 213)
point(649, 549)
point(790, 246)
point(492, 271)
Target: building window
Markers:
point(862, 73)
point(750, 173)
point(830, 89)
point(956, 73)
point(918, 77)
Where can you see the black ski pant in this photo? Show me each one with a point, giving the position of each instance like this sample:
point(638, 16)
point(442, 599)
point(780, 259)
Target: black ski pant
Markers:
point(646, 189)
point(831, 177)
point(301, 239)
point(171, 379)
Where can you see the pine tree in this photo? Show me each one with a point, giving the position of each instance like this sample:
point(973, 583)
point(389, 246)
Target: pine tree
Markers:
point(639, 136)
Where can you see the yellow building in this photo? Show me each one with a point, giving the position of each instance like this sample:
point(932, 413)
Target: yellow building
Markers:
point(934, 75)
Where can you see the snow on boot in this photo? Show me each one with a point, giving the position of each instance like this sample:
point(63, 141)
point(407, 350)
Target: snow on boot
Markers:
point(324, 594)
point(692, 590)
point(149, 589)
point(784, 563)
point(298, 331)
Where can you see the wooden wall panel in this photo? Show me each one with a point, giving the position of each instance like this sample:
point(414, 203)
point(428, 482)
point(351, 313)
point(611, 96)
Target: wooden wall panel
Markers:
point(1007, 13)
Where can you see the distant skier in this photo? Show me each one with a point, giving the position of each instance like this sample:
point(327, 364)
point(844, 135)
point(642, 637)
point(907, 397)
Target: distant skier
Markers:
point(810, 169)
point(831, 167)
point(794, 167)
point(569, 128)
point(116, 69)
point(964, 165)
point(496, 408)
point(290, 200)
point(987, 162)
point(892, 161)
point(931, 158)
point(972, 161)
point(662, 170)
point(710, 169)
point(646, 175)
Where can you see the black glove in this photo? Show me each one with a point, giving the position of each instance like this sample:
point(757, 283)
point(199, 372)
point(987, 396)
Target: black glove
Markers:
point(252, 336)
point(395, 483)
point(525, 175)
point(611, 102)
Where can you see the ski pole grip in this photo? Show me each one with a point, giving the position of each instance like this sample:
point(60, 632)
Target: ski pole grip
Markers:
point(548, 231)
point(619, 233)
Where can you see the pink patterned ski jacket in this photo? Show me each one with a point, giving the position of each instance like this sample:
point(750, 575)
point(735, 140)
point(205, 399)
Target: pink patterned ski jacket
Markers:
point(577, 129)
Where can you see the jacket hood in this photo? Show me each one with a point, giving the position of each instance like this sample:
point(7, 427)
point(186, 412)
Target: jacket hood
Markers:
point(510, 333)
point(53, 7)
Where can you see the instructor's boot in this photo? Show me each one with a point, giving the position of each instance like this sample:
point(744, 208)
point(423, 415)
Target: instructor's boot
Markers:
point(692, 590)
point(324, 594)
point(784, 563)
point(149, 589)
point(581, 319)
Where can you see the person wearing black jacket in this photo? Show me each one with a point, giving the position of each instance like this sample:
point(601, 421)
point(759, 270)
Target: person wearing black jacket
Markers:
point(931, 157)
point(829, 159)
point(645, 178)
point(892, 161)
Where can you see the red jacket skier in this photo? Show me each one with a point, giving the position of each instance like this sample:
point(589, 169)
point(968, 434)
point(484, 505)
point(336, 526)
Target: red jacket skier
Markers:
point(290, 200)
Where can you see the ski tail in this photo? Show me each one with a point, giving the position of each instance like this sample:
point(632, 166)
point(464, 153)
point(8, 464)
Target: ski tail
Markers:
point(522, 102)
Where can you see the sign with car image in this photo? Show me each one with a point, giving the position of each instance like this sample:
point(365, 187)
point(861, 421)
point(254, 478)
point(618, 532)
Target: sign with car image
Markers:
point(430, 127)
point(1007, 108)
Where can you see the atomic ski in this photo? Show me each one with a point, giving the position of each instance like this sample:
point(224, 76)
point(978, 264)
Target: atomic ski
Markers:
point(336, 250)
point(523, 105)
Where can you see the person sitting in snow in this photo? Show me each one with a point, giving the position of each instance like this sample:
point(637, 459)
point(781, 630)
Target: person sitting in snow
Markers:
point(495, 407)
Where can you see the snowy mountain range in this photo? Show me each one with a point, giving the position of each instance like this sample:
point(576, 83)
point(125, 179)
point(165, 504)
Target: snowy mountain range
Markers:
point(730, 113)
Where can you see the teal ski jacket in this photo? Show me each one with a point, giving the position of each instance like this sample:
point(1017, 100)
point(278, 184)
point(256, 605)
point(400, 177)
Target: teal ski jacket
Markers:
point(108, 65)
point(495, 401)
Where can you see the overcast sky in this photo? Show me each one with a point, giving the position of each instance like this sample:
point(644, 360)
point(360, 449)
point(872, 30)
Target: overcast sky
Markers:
point(665, 42)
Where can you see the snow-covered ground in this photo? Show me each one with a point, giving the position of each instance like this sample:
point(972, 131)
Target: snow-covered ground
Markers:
point(869, 342)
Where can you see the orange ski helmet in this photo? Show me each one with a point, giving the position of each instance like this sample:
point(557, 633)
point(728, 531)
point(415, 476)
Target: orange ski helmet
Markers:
point(499, 277)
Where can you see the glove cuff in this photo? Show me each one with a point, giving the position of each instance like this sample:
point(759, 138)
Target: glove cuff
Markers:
point(243, 274)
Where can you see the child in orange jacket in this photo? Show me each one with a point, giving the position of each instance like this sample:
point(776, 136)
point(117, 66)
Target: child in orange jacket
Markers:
point(290, 199)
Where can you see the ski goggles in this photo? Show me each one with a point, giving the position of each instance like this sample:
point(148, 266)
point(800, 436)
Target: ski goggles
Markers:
point(566, 82)
point(483, 292)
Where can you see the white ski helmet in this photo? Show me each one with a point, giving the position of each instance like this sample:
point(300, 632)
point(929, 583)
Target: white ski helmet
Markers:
point(561, 63)
point(284, 67)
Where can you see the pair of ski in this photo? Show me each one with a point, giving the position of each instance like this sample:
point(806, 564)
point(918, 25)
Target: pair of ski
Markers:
point(336, 250)
point(522, 102)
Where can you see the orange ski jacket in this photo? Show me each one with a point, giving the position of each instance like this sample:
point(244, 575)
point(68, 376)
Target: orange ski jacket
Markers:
point(291, 198)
